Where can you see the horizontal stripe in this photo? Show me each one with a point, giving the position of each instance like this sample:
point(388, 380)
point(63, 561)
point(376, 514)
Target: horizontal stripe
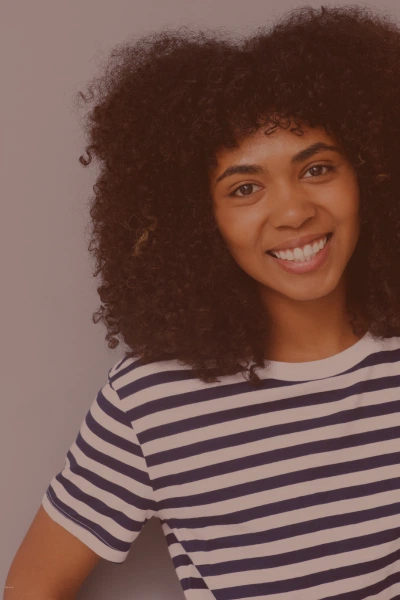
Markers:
point(303, 583)
point(244, 437)
point(303, 401)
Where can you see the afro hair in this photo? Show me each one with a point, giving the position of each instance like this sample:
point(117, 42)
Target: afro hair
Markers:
point(160, 109)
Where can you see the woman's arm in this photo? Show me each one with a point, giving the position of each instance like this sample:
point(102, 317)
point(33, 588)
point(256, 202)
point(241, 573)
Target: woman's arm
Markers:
point(50, 564)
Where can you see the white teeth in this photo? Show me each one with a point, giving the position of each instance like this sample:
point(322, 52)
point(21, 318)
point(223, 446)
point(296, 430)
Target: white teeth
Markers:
point(301, 254)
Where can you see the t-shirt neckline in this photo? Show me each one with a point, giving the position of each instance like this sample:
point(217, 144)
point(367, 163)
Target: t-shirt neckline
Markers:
point(325, 367)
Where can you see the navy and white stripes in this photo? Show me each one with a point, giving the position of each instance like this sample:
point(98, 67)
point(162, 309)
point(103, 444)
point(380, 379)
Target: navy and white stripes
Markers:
point(290, 491)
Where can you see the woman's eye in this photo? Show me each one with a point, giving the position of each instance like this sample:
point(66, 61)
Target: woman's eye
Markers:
point(329, 167)
point(243, 187)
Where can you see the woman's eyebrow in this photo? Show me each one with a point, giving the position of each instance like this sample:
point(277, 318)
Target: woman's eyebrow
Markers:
point(296, 158)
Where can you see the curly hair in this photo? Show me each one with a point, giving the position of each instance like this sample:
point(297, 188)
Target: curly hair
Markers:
point(163, 105)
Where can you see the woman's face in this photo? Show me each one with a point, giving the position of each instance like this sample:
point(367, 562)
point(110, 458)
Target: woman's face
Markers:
point(281, 197)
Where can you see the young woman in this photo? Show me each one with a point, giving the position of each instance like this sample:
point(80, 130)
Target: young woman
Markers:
point(246, 217)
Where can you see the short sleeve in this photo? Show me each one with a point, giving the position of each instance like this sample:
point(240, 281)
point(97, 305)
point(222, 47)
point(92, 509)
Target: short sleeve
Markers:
point(103, 495)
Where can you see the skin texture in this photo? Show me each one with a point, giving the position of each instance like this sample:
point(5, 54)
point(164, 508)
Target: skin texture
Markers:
point(50, 564)
point(307, 311)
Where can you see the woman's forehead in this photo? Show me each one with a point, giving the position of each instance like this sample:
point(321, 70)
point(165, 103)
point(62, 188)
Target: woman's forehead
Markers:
point(279, 143)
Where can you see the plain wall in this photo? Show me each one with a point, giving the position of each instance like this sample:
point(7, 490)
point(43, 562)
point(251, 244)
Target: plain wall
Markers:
point(54, 359)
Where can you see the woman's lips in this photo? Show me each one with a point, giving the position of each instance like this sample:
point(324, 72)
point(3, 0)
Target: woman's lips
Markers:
point(317, 261)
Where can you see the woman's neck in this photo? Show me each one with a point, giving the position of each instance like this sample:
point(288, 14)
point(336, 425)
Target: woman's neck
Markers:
point(310, 330)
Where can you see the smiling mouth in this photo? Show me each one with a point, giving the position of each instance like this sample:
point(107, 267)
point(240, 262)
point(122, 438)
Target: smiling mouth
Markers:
point(273, 254)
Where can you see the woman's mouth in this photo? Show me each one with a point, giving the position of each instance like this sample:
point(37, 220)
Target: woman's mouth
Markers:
point(303, 260)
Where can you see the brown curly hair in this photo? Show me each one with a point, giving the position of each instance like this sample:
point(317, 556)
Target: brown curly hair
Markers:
point(164, 103)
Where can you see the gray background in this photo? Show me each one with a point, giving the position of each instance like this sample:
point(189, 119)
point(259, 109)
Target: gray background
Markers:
point(53, 358)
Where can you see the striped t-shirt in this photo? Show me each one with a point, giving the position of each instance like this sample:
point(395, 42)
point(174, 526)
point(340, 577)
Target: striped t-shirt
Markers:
point(290, 491)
